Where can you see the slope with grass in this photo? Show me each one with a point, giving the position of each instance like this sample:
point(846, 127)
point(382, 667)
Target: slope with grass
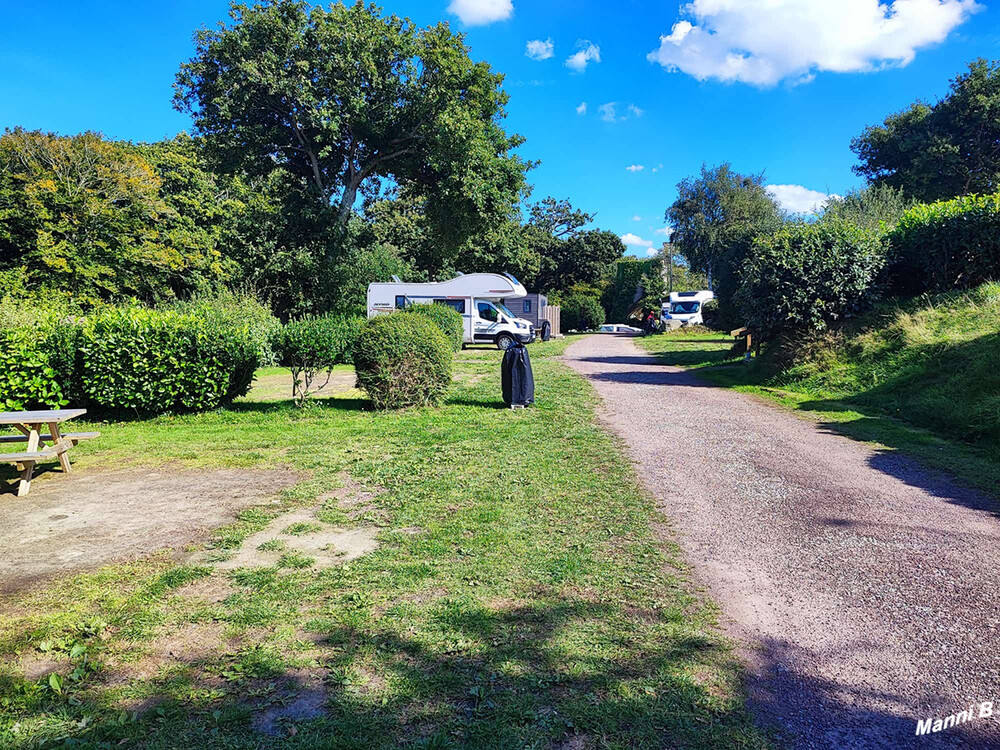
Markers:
point(922, 375)
point(520, 594)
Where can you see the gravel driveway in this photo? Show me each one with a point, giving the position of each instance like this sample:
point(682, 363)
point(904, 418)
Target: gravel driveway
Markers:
point(862, 588)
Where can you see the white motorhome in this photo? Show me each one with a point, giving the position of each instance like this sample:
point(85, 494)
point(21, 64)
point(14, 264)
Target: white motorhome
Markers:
point(478, 297)
point(687, 307)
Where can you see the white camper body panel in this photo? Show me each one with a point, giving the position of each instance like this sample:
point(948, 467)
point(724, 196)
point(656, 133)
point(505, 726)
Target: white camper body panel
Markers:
point(477, 297)
point(687, 307)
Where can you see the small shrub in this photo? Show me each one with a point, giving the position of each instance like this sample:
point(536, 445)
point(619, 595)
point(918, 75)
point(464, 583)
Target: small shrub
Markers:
point(155, 361)
point(403, 360)
point(947, 245)
point(582, 313)
point(313, 345)
point(448, 320)
point(805, 276)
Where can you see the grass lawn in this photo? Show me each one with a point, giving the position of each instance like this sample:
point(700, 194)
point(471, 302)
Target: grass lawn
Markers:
point(519, 596)
point(917, 382)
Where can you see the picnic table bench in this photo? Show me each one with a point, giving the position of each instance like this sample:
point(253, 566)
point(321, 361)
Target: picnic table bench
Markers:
point(30, 424)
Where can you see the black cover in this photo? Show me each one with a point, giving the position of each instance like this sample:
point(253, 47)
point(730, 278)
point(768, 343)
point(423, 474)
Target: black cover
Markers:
point(546, 330)
point(517, 378)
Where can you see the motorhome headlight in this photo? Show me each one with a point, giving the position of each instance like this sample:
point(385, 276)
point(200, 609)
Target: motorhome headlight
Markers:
point(521, 325)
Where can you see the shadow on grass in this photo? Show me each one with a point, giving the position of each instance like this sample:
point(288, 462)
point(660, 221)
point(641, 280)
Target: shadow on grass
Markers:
point(331, 403)
point(475, 677)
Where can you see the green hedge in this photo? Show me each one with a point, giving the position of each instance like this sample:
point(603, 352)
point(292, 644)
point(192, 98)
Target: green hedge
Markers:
point(403, 360)
point(152, 361)
point(242, 311)
point(806, 276)
point(947, 245)
point(581, 313)
point(447, 319)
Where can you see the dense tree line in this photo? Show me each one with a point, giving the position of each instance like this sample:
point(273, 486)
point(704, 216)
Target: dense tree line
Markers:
point(783, 273)
point(331, 147)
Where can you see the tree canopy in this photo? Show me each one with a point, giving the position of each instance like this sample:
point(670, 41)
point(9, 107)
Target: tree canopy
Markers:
point(350, 101)
point(94, 220)
point(715, 219)
point(939, 151)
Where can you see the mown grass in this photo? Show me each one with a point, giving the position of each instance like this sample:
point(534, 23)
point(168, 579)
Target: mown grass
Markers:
point(921, 376)
point(531, 603)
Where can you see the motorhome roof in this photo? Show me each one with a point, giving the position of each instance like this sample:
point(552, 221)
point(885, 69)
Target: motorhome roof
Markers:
point(485, 285)
point(701, 296)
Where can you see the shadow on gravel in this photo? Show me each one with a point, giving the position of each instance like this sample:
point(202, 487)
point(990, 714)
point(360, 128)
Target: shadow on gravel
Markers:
point(806, 712)
point(653, 377)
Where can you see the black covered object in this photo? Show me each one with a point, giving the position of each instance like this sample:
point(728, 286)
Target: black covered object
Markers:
point(546, 330)
point(518, 381)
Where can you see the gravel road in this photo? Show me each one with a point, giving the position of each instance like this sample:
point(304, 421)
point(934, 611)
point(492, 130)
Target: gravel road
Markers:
point(862, 588)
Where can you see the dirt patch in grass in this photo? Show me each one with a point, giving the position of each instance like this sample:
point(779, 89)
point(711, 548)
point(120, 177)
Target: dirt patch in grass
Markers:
point(88, 519)
point(321, 548)
point(208, 590)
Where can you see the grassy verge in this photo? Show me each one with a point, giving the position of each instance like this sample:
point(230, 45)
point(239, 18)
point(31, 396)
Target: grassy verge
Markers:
point(519, 595)
point(881, 382)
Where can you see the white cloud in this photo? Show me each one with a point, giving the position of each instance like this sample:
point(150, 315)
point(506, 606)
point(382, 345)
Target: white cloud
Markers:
point(652, 251)
point(588, 53)
point(481, 12)
point(799, 200)
point(665, 231)
point(634, 240)
point(539, 50)
point(609, 112)
point(582, 109)
point(637, 218)
point(762, 42)
point(634, 168)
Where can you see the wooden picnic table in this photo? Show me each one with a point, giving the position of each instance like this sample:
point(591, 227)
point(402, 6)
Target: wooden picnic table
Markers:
point(31, 424)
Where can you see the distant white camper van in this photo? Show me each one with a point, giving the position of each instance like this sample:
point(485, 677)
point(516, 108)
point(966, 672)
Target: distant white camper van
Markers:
point(687, 307)
point(478, 297)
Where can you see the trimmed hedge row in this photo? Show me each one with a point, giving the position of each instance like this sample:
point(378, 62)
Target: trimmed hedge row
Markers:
point(947, 245)
point(807, 276)
point(313, 345)
point(129, 359)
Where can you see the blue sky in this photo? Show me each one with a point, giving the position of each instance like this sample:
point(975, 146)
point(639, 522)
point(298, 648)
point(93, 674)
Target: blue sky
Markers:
point(779, 86)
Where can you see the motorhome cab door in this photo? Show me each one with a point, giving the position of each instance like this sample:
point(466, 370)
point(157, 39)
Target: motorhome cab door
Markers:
point(485, 321)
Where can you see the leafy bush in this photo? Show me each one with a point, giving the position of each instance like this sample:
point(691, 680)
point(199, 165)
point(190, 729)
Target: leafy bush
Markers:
point(39, 356)
point(155, 361)
point(313, 345)
point(403, 360)
point(448, 320)
point(582, 313)
point(947, 245)
point(238, 310)
point(807, 275)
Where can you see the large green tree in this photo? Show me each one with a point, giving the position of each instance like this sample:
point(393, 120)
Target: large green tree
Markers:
point(715, 219)
point(350, 101)
point(939, 151)
point(93, 220)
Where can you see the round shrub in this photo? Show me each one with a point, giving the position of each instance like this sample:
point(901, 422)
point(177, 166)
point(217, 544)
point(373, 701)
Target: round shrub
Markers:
point(403, 360)
point(447, 319)
point(805, 276)
point(314, 345)
point(156, 361)
point(948, 245)
point(582, 313)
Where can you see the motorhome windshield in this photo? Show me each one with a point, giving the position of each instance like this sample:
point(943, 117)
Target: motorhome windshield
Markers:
point(684, 308)
point(505, 311)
